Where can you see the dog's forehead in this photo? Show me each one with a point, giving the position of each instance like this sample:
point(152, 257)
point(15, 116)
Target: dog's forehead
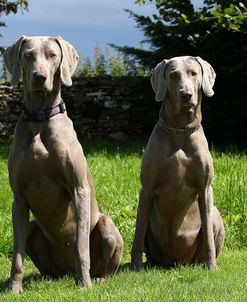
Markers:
point(40, 42)
point(182, 62)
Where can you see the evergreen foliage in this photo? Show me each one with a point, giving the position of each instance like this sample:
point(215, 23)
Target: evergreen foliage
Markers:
point(218, 33)
point(215, 31)
point(109, 64)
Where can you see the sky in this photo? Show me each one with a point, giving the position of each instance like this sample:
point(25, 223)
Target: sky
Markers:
point(81, 22)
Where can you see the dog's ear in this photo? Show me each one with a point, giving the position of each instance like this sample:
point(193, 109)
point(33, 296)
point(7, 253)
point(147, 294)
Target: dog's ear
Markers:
point(12, 60)
point(69, 61)
point(208, 77)
point(158, 81)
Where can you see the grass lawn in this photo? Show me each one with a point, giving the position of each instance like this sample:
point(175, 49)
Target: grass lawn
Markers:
point(116, 167)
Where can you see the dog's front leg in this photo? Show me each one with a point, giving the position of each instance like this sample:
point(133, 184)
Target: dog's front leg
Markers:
point(20, 219)
point(142, 221)
point(206, 212)
point(82, 206)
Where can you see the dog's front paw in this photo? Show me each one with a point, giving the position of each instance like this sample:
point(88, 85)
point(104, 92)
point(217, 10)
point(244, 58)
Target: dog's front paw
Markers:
point(136, 259)
point(210, 265)
point(16, 287)
point(136, 264)
point(101, 280)
point(84, 283)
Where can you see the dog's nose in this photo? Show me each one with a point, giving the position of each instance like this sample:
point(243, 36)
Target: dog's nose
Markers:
point(186, 96)
point(39, 76)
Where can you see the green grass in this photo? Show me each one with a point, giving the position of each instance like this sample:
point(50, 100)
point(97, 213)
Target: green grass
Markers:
point(230, 194)
point(227, 283)
point(116, 167)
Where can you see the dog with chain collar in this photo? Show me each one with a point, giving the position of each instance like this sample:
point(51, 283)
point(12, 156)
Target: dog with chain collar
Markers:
point(176, 220)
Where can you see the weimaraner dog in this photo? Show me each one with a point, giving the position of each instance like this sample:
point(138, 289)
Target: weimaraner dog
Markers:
point(49, 174)
point(176, 219)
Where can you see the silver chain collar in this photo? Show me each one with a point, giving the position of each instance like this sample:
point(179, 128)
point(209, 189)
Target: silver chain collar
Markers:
point(177, 131)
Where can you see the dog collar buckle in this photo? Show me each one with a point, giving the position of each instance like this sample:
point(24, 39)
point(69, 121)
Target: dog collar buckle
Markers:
point(62, 107)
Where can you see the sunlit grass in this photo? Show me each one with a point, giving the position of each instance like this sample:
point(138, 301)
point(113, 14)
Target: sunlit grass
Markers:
point(185, 283)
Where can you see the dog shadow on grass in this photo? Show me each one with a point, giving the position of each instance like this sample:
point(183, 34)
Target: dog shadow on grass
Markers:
point(5, 284)
point(36, 277)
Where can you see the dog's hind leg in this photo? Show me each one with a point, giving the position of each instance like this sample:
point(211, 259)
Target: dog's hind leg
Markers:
point(154, 255)
point(219, 231)
point(106, 248)
point(39, 250)
point(219, 234)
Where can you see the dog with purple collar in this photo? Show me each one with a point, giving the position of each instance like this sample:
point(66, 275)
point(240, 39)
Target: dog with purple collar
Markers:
point(49, 175)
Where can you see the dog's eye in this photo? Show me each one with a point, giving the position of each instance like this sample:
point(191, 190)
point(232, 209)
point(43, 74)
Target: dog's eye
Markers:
point(52, 55)
point(174, 75)
point(192, 73)
point(28, 54)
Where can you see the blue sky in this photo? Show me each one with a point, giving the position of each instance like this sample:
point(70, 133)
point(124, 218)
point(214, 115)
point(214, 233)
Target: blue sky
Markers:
point(82, 22)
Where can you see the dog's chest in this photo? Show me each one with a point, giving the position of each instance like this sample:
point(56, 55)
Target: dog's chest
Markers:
point(178, 179)
point(36, 165)
point(178, 166)
point(37, 149)
point(39, 176)
point(44, 153)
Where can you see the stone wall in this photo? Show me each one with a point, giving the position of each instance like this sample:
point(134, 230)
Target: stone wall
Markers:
point(10, 107)
point(99, 107)
point(124, 108)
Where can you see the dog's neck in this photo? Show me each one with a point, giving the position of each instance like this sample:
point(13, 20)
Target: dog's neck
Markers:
point(183, 119)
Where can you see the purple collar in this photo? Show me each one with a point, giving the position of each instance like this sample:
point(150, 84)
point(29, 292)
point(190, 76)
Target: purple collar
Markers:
point(42, 115)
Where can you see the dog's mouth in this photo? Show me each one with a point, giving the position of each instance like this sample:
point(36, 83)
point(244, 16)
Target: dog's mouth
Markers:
point(42, 88)
point(39, 87)
point(187, 105)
